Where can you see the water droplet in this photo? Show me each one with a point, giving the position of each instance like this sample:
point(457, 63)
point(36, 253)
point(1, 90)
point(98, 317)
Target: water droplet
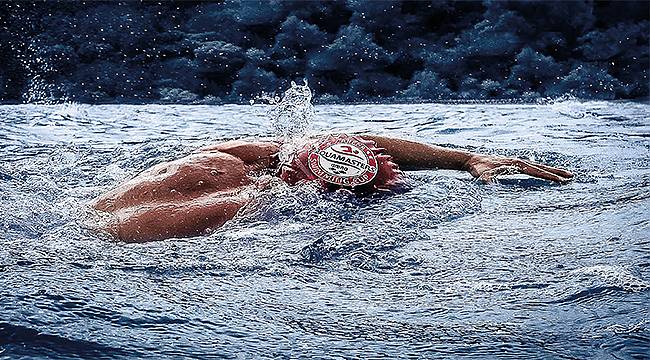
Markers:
point(292, 115)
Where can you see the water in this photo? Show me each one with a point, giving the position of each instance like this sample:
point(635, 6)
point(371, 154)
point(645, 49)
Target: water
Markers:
point(292, 115)
point(447, 268)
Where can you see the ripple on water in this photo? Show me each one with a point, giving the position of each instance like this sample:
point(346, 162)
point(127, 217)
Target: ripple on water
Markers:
point(444, 267)
point(595, 284)
point(23, 341)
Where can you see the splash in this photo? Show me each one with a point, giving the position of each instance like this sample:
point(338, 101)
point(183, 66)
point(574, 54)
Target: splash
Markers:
point(292, 115)
point(566, 105)
point(38, 89)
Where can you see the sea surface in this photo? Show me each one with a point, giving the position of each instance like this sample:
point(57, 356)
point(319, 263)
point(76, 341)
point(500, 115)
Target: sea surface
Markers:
point(447, 267)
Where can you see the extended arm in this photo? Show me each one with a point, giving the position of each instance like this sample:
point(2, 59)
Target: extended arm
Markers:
point(414, 155)
point(411, 155)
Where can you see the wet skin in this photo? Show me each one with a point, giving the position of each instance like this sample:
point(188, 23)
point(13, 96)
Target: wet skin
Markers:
point(198, 193)
point(188, 196)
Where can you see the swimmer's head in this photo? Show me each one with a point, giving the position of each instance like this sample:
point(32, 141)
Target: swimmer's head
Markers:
point(342, 162)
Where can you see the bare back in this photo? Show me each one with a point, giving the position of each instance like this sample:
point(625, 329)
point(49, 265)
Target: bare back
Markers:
point(185, 197)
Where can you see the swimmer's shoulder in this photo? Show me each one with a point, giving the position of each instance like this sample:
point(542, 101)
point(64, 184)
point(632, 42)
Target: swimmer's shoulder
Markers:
point(258, 151)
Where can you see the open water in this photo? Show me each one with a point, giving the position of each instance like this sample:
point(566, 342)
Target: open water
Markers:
point(447, 268)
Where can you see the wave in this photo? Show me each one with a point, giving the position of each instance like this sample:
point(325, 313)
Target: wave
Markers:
point(22, 341)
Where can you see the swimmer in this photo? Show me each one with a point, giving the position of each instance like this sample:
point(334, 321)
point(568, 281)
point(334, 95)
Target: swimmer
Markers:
point(200, 192)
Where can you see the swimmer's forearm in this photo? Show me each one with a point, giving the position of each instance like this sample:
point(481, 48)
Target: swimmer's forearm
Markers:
point(411, 155)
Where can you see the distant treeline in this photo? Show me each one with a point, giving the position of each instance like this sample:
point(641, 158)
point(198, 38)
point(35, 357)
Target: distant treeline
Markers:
point(349, 51)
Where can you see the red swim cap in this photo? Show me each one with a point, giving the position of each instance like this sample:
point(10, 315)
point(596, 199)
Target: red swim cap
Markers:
point(342, 161)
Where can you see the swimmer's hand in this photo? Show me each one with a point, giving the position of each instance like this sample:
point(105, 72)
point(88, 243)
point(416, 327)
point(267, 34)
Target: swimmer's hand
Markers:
point(486, 168)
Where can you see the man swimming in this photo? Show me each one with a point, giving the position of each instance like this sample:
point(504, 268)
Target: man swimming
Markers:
point(200, 192)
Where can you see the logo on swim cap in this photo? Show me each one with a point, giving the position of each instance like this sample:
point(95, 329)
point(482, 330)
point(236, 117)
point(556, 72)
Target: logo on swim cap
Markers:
point(343, 161)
